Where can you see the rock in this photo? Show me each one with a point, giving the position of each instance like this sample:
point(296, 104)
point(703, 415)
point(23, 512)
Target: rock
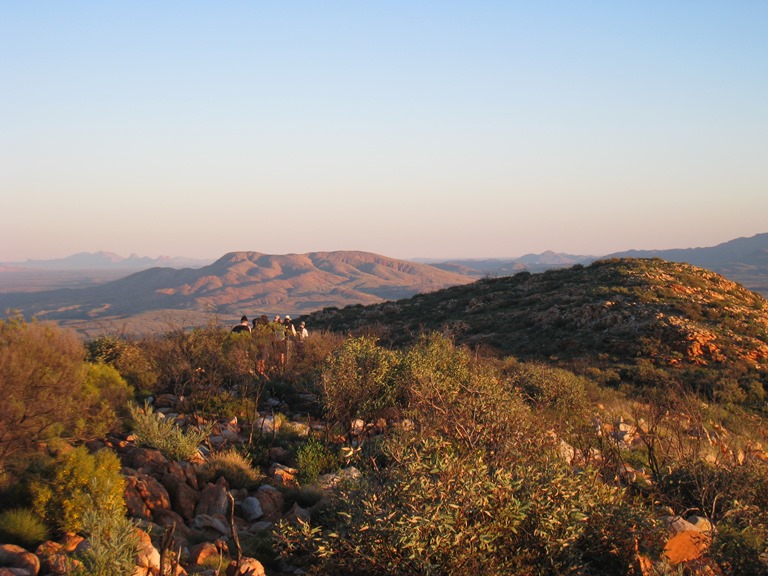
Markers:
point(357, 427)
point(272, 502)
point(248, 567)
point(675, 525)
point(201, 553)
point(184, 498)
point(283, 474)
point(213, 499)
point(218, 523)
point(13, 556)
point(279, 454)
point(297, 514)
point(685, 546)
point(251, 509)
point(701, 524)
point(328, 481)
point(145, 460)
point(152, 494)
point(147, 556)
point(53, 558)
point(263, 526)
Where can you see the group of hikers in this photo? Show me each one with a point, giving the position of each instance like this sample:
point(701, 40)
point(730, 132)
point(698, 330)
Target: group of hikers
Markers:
point(276, 336)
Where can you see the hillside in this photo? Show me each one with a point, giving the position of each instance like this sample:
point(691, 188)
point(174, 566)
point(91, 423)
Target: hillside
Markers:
point(242, 282)
point(613, 311)
point(743, 260)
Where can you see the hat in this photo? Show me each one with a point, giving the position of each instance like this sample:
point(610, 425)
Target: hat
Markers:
point(287, 317)
point(302, 324)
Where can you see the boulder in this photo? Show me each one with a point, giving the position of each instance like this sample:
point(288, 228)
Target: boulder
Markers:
point(145, 460)
point(152, 493)
point(248, 567)
point(272, 502)
point(147, 556)
point(297, 514)
point(12, 556)
point(184, 498)
point(251, 509)
point(685, 546)
point(213, 499)
point(201, 553)
point(53, 558)
point(701, 524)
point(218, 523)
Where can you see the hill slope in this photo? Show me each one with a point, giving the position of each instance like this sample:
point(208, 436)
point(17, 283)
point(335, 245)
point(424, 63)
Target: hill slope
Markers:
point(744, 260)
point(241, 282)
point(613, 310)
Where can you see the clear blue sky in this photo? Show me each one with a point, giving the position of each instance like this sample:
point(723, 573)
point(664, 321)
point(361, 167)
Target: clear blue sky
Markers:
point(432, 129)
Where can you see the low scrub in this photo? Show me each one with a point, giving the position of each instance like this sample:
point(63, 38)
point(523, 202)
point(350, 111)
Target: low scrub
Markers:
point(75, 484)
point(236, 468)
point(156, 432)
point(23, 527)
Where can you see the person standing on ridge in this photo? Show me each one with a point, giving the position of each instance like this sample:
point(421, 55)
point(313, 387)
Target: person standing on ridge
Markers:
point(243, 326)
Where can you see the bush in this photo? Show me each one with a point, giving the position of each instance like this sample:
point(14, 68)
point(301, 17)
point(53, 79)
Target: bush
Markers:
point(157, 432)
point(232, 465)
point(314, 458)
point(77, 483)
point(113, 542)
point(104, 392)
point(359, 380)
point(40, 379)
point(23, 527)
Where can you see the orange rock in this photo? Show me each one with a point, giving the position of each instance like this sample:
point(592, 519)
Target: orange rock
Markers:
point(685, 546)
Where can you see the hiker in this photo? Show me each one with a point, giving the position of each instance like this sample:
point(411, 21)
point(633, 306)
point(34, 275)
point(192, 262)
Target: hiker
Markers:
point(302, 331)
point(242, 327)
point(290, 331)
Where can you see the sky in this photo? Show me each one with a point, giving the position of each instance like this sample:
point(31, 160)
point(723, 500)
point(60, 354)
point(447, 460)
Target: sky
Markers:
point(450, 129)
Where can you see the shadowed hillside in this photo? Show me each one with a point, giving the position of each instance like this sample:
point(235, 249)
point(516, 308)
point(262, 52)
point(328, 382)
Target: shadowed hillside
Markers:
point(613, 311)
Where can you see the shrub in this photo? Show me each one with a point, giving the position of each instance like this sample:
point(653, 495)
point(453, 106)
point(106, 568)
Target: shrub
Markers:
point(113, 542)
point(76, 483)
point(315, 458)
point(40, 378)
point(359, 380)
point(23, 527)
point(157, 432)
point(232, 465)
point(104, 392)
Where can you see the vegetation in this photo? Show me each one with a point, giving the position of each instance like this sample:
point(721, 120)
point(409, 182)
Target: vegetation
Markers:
point(22, 526)
point(542, 424)
point(76, 483)
point(155, 431)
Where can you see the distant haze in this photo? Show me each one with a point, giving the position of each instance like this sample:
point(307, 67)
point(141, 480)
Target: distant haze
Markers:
point(412, 129)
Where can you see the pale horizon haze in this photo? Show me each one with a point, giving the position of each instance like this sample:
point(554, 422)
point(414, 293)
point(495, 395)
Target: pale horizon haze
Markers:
point(408, 129)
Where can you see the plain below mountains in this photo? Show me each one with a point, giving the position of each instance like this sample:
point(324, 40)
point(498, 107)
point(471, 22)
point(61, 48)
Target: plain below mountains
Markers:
point(241, 283)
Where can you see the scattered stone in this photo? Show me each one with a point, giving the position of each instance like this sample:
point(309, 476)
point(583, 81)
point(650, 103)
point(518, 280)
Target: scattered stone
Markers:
point(685, 546)
point(13, 556)
point(147, 556)
point(327, 481)
point(297, 514)
point(248, 567)
point(218, 523)
point(272, 502)
point(251, 509)
point(213, 499)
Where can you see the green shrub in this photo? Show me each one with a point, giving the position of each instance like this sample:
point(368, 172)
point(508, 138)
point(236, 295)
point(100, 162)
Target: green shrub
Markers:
point(315, 458)
point(113, 542)
point(104, 392)
point(23, 527)
point(40, 379)
point(157, 432)
point(359, 380)
point(232, 465)
point(76, 483)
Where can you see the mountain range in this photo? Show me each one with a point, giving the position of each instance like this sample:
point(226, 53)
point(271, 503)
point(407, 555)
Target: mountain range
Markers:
point(255, 283)
point(241, 282)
